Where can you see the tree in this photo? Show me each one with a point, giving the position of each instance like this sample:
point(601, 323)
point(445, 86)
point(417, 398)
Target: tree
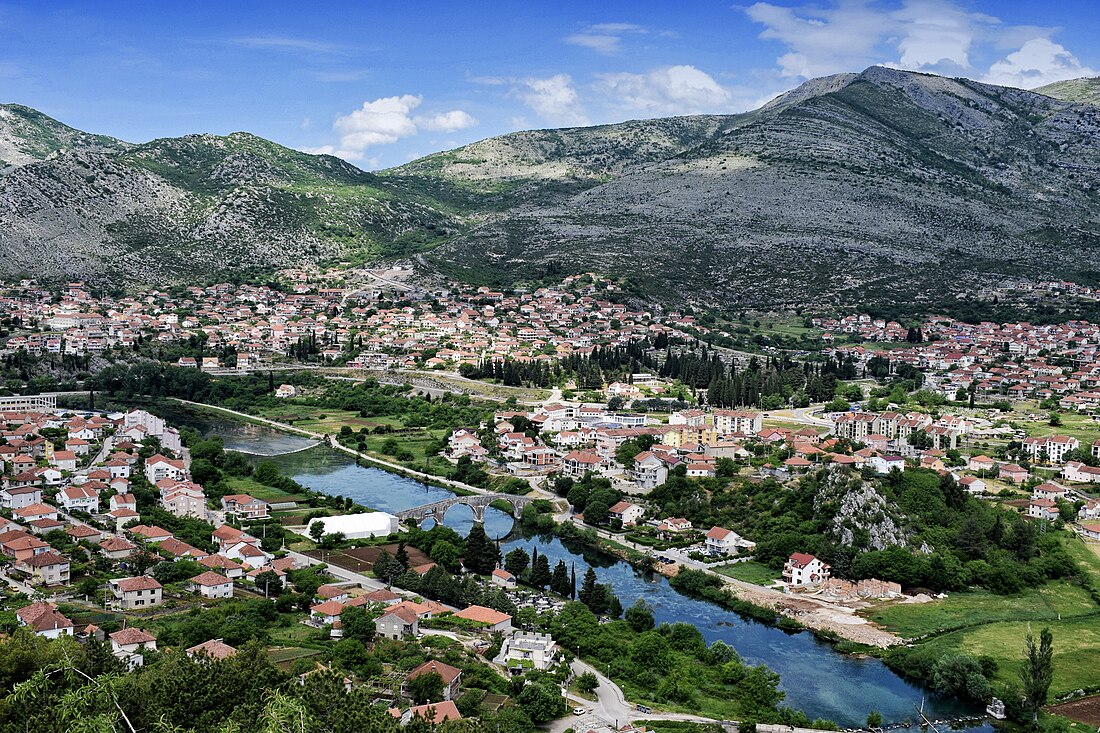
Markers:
point(516, 561)
point(587, 682)
point(640, 616)
point(317, 531)
point(559, 581)
point(725, 467)
point(542, 701)
point(1038, 671)
point(387, 568)
point(426, 688)
point(596, 512)
point(482, 555)
point(445, 554)
point(540, 572)
point(587, 594)
point(270, 582)
point(874, 718)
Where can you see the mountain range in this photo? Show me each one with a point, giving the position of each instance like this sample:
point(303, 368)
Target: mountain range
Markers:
point(881, 186)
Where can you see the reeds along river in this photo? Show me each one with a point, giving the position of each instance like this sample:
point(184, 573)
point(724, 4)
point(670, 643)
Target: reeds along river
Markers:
point(818, 680)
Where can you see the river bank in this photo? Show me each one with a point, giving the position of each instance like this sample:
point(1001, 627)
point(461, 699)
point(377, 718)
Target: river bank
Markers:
point(814, 676)
point(831, 621)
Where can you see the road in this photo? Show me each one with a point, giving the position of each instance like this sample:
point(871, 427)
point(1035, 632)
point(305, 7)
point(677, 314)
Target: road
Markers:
point(610, 707)
point(801, 415)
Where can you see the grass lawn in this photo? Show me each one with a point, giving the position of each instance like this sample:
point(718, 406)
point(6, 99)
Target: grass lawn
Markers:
point(1080, 426)
point(977, 607)
point(292, 634)
point(997, 625)
point(246, 485)
point(750, 572)
point(1076, 649)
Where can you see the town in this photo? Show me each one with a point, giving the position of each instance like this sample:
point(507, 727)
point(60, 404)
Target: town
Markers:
point(118, 522)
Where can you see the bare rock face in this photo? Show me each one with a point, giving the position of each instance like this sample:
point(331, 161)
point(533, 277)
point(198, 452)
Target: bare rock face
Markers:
point(859, 516)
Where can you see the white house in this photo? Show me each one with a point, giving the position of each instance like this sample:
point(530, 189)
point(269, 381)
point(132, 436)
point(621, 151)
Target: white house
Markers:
point(139, 592)
point(130, 643)
point(722, 541)
point(45, 620)
point(83, 498)
point(884, 464)
point(212, 585)
point(1043, 509)
point(1080, 473)
point(973, 484)
point(802, 569)
point(525, 650)
point(629, 514)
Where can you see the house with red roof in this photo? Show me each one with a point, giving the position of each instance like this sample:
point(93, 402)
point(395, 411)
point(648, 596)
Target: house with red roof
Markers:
point(627, 513)
point(129, 645)
point(804, 570)
point(45, 620)
point(452, 678)
point(137, 592)
point(494, 620)
point(433, 713)
point(212, 585)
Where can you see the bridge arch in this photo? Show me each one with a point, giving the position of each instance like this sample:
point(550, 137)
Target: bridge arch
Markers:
point(437, 510)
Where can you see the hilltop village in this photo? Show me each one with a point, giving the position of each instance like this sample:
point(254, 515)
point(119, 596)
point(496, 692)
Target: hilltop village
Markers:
point(871, 491)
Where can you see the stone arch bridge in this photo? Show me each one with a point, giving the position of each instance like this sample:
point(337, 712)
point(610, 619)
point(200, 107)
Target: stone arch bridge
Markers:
point(478, 502)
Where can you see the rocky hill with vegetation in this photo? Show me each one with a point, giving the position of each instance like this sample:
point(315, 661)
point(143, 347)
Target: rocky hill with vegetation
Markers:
point(1074, 90)
point(855, 188)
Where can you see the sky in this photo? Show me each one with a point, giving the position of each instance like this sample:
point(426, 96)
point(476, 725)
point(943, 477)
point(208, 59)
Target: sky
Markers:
point(381, 83)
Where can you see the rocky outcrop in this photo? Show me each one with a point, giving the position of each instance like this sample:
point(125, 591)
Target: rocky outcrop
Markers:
point(857, 515)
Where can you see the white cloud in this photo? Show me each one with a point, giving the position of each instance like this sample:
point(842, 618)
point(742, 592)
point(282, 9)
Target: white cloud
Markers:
point(1039, 61)
point(673, 90)
point(604, 38)
point(386, 120)
point(554, 100)
point(822, 41)
point(380, 122)
point(939, 36)
point(451, 121)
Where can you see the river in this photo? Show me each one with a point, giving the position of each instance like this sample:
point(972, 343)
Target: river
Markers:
point(816, 679)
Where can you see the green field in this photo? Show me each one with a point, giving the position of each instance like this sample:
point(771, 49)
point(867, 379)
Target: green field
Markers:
point(1076, 649)
point(1076, 424)
point(750, 572)
point(980, 607)
point(245, 485)
point(995, 626)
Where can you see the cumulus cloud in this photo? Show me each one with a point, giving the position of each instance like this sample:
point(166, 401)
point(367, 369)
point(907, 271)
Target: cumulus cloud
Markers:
point(820, 40)
point(939, 36)
point(604, 38)
point(554, 99)
point(386, 120)
point(673, 90)
point(380, 122)
point(456, 119)
point(1039, 61)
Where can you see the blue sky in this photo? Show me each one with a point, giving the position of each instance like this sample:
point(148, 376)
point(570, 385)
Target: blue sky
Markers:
point(380, 83)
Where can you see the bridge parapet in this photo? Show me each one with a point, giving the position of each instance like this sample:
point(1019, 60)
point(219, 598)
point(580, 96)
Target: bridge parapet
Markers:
point(478, 503)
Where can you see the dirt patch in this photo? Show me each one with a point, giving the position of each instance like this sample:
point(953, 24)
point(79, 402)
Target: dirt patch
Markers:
point(361, 559)
point(1086, 710)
